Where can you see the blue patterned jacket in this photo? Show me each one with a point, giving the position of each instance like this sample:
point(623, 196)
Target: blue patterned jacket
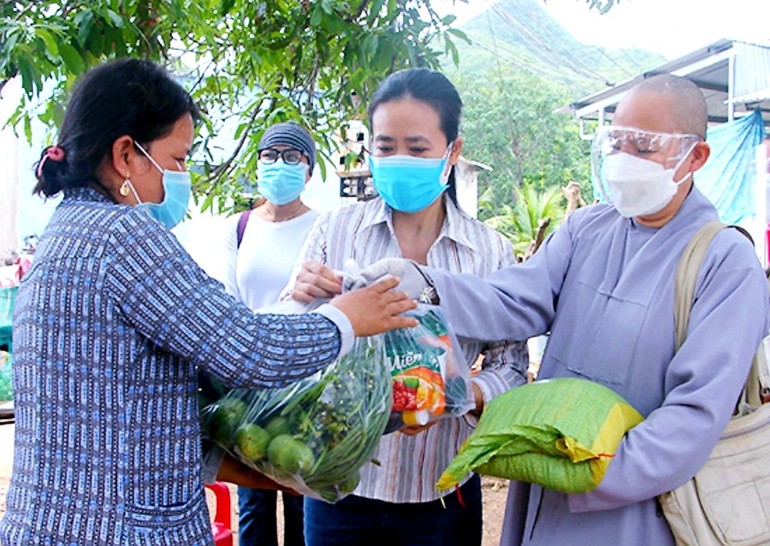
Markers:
point(112, 322)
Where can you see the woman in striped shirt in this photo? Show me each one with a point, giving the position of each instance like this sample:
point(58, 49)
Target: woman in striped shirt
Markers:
point(415, 118)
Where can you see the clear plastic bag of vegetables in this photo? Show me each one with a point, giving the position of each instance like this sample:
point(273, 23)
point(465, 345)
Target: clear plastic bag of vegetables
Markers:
point(431, 379)
point(315, 434)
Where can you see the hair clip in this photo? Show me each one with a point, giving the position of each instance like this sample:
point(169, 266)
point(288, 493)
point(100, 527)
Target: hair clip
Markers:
point(55, 153)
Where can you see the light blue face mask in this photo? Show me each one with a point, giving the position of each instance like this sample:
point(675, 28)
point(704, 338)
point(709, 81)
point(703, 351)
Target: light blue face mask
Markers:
point(279, 182)
point(408, 183)
point(177, 188)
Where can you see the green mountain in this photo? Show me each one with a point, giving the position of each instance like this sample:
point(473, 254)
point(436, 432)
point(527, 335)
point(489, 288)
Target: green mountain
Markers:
point(522, 35)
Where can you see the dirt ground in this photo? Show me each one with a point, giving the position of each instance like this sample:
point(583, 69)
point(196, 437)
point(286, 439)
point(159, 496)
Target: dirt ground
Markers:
point(3, 492)
point(494, 491)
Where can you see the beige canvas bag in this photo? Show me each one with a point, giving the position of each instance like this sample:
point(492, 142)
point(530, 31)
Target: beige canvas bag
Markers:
point(728, 500)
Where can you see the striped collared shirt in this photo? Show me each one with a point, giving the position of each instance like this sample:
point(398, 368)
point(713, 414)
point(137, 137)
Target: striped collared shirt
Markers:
point(411, 465)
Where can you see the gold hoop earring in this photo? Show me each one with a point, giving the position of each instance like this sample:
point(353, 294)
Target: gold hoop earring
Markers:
point(125, 188)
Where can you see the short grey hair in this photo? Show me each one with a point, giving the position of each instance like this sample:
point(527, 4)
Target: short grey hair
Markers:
point(690, 113)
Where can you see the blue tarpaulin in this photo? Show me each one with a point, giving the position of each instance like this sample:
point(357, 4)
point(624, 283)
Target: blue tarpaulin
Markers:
point(728, 177)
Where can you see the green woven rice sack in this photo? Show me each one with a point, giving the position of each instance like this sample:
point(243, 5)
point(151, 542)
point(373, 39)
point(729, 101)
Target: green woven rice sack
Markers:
point(559, 433)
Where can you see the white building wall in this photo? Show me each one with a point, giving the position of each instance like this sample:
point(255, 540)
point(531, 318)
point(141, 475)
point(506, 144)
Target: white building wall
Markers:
point(203, 233)
point(21, 213)
point(9, 233)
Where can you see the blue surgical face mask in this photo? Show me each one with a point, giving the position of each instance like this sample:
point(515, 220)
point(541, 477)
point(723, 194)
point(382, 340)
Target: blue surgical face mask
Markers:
point(279, 182)
point(408, 183)
point(177, 188)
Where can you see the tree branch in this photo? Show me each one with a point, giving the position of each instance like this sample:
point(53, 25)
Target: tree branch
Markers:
point(542, 226)
point(220, 169)
point(311, 86)
point(360, 11)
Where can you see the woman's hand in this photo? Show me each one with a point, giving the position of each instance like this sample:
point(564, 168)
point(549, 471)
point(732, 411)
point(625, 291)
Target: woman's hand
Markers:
point(377, 308)
point(315, 280)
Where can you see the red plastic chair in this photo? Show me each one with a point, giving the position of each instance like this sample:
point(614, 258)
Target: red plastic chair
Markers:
point(221, 526)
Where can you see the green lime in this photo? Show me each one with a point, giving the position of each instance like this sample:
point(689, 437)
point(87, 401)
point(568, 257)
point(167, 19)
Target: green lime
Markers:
point(289, 455)
point(252, 441)
point(227, 417)
point(278, 426)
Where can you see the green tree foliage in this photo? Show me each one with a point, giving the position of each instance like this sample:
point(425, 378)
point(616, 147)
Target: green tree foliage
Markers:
point(510, 123)
point(248, 63)
point(521, 34)
point(533, 213)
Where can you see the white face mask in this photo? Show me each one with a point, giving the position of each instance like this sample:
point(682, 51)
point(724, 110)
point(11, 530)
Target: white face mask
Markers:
point(640, 187)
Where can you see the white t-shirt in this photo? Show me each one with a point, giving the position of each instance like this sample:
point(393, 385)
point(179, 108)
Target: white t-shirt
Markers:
point(259, 270)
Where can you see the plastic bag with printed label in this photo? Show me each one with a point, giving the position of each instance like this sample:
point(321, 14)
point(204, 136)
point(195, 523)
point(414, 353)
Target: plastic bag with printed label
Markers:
point(431, 379)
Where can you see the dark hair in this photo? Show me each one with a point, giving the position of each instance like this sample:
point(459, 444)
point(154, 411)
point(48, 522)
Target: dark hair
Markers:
point(123, 97)
point(432, 88)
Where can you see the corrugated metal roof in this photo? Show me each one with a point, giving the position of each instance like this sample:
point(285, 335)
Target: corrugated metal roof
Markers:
point(709, 68)
point(752, 72)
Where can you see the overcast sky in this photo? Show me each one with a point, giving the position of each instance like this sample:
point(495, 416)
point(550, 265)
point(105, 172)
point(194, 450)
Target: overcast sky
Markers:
point(669, 27)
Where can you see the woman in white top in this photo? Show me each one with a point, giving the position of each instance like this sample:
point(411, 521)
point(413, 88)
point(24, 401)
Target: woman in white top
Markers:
point(262, 247)
point(263, 243)
point(415, 117)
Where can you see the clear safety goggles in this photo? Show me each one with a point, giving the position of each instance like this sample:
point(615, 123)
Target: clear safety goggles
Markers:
point(663, 148)
point(612, 139)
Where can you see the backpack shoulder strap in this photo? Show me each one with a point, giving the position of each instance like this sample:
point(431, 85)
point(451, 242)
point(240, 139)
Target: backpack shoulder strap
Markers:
point(241, 229)
point(686, 276)
point(757, 388)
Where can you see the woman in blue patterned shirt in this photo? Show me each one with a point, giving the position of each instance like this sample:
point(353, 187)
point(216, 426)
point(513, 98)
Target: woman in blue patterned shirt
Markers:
point(113, 319)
